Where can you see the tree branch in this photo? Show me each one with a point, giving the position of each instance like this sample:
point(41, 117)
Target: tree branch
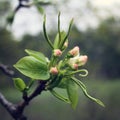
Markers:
point(11, 108)
point(21, 4)
point(6, 70)
point(16, 110)
point(27, 99)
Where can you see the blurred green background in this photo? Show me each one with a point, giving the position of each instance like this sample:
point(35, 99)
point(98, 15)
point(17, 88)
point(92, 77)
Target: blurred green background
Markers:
point(101, 44)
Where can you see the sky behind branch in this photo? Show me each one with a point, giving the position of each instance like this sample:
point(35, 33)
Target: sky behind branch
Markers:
point(85, 13)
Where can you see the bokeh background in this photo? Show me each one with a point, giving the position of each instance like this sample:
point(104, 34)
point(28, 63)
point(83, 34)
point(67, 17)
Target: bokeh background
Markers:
point(96, 31)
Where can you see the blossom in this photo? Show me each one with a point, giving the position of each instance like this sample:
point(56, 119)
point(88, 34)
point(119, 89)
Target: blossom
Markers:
point(82, 59)
point(75, 66)
point(54, 70)
point(57, 52)
point(78, 60)
point(75, 51)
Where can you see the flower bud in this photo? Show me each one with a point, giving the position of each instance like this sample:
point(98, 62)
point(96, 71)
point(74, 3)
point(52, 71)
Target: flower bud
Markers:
point(57, 52)
point(54, 71)
point(66, 44)
point(75, 66)
point(82, 59)
point(74, 51)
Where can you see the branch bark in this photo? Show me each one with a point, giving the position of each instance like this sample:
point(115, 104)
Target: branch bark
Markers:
point(11, 108)
point(17, 110)
point(6, 70)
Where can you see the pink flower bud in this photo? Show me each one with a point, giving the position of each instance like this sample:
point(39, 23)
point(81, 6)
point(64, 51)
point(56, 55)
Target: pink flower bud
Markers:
point(75, 66)
point(54, 71)
point(82, 60)
point(74, 51)
point(57, 52)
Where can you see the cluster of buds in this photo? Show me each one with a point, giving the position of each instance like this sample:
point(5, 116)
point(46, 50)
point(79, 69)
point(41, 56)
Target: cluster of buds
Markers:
point(77, 59)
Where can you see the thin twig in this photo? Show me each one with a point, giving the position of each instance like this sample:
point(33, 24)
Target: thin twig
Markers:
point(6, 70)
point(21, 5)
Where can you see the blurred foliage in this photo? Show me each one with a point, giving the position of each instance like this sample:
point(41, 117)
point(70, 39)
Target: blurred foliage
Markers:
point(4, 8)
point(9, 49)
point(46, 107)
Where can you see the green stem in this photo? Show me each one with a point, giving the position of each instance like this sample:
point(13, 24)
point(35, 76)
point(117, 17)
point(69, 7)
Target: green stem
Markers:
point(59, 27)
point(30, 83)
point(82, 70)
point(55, 82)
point(53, 61)
point(45, 33)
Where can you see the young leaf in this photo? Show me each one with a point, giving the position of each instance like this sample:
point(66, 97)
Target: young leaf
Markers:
point(60, 97)
point(37, 55)
point(56, 41)
point(63, 34)
point(66, 36)
point(72, 90)
point(33, 68)
point(59, 40)
point(83, 87)
point(19, 84)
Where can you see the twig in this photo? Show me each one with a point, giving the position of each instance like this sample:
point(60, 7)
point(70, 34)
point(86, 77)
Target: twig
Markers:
point(6, 70)
point(21, 4)
point(11, 108)
point(16, 110)
point(37, 91)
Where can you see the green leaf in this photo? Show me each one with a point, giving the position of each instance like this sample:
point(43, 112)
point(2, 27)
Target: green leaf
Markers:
point(66, 36)
point(63, 83)
point(72, 90)
point(19, 84)
point(37, 55)
point(60, 97)
point(83, 87)
point(33, 68)
point(59, 40)
point(56, 41)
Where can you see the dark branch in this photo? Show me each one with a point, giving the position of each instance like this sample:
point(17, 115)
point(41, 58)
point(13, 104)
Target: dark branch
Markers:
point(16, 111)
point(11, 108)
point(6, 70)
point(37, 91)
point(22, 3)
